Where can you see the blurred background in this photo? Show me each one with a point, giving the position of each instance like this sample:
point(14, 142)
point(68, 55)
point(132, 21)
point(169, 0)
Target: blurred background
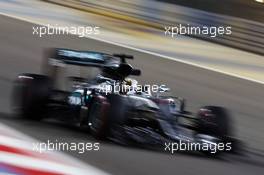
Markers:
point(244, 16)
point(237, 8)
point(226, 70)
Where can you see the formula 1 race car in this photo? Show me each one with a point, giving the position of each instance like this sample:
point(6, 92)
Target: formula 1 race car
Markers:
point(111, 104)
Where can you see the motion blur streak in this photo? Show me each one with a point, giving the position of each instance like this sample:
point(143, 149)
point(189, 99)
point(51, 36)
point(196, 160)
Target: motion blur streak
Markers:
point(22, 52)
point(187, 50)
point(199, 86)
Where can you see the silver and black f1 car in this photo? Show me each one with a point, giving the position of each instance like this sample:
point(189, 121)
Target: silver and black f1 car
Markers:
point(129, 114)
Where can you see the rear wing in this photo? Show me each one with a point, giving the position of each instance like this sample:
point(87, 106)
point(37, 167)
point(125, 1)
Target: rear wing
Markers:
point(60, 57)
point(84, 58)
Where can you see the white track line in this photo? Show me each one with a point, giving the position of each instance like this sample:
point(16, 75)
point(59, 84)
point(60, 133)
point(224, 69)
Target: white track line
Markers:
point(149, 52)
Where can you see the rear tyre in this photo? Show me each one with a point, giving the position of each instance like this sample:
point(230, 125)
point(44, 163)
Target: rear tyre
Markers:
point(106, 114)
point(30, 95)
point(98, 117)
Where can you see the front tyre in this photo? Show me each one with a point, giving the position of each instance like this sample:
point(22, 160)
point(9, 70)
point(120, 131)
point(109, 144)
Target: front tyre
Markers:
point(213, 124)
point(214, 121)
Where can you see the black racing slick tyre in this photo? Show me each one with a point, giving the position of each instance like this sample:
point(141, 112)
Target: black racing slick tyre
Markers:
point(98, 117)
point(30, 95)
point(214, 121)
point(106, 113)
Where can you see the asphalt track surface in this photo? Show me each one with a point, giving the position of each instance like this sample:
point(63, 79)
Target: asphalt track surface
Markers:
point(22, 52)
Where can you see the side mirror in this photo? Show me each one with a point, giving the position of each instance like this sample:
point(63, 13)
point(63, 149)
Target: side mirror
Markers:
point(163, 89)
point(136, 72)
